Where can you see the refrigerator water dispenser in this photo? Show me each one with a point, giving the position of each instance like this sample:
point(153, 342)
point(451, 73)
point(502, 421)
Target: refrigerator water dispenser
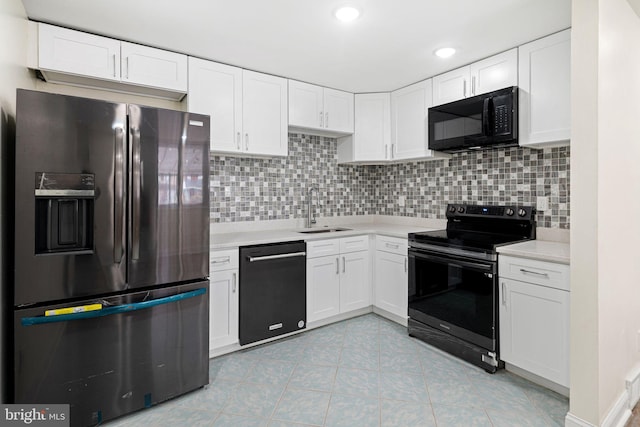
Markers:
point(64, 213)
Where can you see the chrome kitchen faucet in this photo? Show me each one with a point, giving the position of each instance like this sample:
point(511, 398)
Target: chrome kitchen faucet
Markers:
point(311, 218)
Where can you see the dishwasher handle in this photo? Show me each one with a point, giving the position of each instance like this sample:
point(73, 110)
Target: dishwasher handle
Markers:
point(278, 256)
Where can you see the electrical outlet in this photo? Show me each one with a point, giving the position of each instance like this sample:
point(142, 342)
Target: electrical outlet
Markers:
point(542, 203)
point(400, 201)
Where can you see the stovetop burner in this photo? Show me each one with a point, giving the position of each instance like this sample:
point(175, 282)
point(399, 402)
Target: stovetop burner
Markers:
point(481, 228)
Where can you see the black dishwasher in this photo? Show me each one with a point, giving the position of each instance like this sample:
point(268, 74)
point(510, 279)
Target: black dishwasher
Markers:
point(273, 290)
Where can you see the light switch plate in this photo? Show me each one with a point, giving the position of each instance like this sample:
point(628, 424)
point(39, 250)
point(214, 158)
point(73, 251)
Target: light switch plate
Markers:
point(542, 203)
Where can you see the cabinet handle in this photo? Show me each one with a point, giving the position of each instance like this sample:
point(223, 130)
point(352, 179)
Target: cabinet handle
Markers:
point(221, 260)
point(405, 264)
point(464, 88)
point(522, 270)
point(127, 67)
point(344, 264)
point(393, 149)
point(337, 265)
point(386, 151)
point(504, 294)
point(473, 85)
point(246, 141)
point(238, 138)
point(114, 65)
point(391, 245)
point(233, 283)
point(326, 120)
point(321, 120)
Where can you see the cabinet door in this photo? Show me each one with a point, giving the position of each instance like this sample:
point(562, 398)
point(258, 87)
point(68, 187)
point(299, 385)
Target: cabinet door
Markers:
point(223, 304)
point(216, 89)
point(323, 287)
point(544, 68)
point(68, 51)
point(451, 86)
point(496, 72)
point(305, 105)
point(355, 287)
point(372, 133)
point(338, 110)
point(264, 114)
point(152, 67)
point(391, 283)
point(534, 329)
point(409, 120)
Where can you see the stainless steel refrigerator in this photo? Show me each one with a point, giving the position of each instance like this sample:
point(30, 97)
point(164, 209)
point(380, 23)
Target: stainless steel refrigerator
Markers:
point(111, 255)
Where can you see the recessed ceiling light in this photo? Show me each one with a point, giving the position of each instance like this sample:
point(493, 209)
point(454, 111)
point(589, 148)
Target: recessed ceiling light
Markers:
point(347, 13)
point(445, 52)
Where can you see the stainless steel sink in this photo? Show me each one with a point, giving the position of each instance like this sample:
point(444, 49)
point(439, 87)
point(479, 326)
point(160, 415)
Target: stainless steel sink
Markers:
point(324, 230)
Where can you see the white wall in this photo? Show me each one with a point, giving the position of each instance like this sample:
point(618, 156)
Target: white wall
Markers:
point(13, 74)
point(605, 261)
point(619, 197)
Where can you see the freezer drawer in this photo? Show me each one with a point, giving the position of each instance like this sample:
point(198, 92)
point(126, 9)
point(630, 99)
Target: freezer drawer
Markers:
point(142, 348)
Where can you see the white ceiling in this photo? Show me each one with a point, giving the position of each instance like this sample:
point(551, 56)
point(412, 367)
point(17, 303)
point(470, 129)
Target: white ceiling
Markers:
point(391, 45)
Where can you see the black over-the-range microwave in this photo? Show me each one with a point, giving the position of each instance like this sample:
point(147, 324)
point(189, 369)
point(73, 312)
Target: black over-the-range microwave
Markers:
point(483, 121)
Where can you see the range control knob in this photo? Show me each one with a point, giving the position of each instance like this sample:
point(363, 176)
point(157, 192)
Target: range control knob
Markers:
point(522, 212)
point(509, 212)
point(460, 209)
point(452, 209)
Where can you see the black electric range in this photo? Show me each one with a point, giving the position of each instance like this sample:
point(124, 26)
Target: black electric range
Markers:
point(453, 279)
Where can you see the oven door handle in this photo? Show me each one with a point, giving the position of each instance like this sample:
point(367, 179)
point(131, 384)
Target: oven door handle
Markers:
point(453, 261)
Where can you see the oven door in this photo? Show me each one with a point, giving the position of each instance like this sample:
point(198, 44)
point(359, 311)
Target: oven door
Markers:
point(454, 294)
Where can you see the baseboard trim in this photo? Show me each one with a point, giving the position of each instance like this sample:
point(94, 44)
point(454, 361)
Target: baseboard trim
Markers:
point(560, 389)
point(616, 417)
point(619, 414)
point(572, 421)
point(633, 386)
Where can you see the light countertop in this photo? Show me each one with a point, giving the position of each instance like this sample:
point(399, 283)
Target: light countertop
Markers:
point(539, 249)
point(244, 238)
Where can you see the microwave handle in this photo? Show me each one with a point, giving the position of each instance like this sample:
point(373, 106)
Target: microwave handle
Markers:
point(485, 116)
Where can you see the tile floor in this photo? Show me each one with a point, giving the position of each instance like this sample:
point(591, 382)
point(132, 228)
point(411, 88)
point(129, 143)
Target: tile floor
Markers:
point(364, 371)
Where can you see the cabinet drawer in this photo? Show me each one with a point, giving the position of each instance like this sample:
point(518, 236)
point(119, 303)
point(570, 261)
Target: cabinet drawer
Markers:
point(543, 273)
point(354, 244)
point(223, 260)
point(317, 248)
point(394, 245)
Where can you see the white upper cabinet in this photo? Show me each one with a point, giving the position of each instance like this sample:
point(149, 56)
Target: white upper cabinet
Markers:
point(74, 52)
point(451, 86)
point(264, 114)
point(371, 140)
point(306, 105)
point(545, 91)
point(248, 109)
point(409, 109)
point(493, 73)
point(216, 89)
point(148, 66)
point(326, 111)
point(81, 59)
point(496, 72)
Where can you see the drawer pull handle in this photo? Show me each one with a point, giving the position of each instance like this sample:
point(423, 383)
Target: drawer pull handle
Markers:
point(233, 284)
point(221, 260)
point(391, 245)
point(522, 270)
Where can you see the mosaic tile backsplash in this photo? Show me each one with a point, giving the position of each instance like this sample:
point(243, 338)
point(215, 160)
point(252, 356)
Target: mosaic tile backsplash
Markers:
point(251, 189)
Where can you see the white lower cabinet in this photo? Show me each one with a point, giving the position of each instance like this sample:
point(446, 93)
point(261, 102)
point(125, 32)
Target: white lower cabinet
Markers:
point(338, 276)
point(534, 317)
point(223, 299)
point(391, 275)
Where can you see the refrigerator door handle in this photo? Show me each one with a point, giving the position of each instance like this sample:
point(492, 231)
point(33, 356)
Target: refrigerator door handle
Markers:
point(136, 190)
point(124, 308)
point(119, 181)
